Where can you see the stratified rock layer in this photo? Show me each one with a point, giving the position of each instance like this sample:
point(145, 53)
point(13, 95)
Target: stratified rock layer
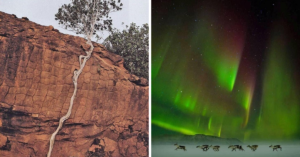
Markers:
point(110, 113)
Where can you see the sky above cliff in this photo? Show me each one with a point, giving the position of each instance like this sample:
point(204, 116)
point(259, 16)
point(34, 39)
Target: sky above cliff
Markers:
point(226, 68)
point(43, 12)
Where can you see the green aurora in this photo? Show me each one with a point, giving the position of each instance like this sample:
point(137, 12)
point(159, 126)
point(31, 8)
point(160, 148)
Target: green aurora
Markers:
point(202, 85)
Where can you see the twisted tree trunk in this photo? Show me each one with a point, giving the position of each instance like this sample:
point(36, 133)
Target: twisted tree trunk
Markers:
point(82, 61)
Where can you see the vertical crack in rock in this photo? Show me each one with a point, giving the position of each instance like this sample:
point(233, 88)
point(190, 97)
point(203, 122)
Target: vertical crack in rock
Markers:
point(82, 61)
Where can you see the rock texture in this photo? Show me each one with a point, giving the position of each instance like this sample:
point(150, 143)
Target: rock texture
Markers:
point(110, 113)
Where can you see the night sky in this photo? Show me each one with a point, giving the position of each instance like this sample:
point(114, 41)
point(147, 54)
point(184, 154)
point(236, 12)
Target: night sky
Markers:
point(228, 68)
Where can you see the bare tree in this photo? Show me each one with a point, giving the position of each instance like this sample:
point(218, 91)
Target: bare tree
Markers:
point(84, 17)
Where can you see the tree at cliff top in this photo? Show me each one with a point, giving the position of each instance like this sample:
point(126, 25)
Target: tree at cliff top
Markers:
point(133, 45)
point(88, 16)
point(84, 17)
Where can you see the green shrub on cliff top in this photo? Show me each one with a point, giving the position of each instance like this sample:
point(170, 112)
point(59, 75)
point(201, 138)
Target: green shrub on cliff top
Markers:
point(133, 45)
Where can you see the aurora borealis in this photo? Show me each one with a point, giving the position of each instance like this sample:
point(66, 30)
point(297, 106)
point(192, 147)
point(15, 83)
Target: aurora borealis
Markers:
point(226, 68)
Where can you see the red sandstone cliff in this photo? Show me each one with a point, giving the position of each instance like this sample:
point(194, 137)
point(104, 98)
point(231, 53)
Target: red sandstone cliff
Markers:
point(110, 113)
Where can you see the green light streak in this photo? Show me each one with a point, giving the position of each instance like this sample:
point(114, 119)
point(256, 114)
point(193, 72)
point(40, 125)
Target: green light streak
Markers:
point(260, 114)
point(209, 123)
point(163, 48)
point(279, 117)
point(187, 103)
point(174, 128)
point(221, 59)
point(227, 74)
point(248, 103)
point(220, 129)
point(177, 98)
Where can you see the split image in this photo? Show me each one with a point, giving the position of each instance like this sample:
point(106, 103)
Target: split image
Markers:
point(142, 78)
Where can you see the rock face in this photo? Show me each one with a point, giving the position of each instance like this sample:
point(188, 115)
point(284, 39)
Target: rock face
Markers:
point(110, 113)
point(194, 139)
